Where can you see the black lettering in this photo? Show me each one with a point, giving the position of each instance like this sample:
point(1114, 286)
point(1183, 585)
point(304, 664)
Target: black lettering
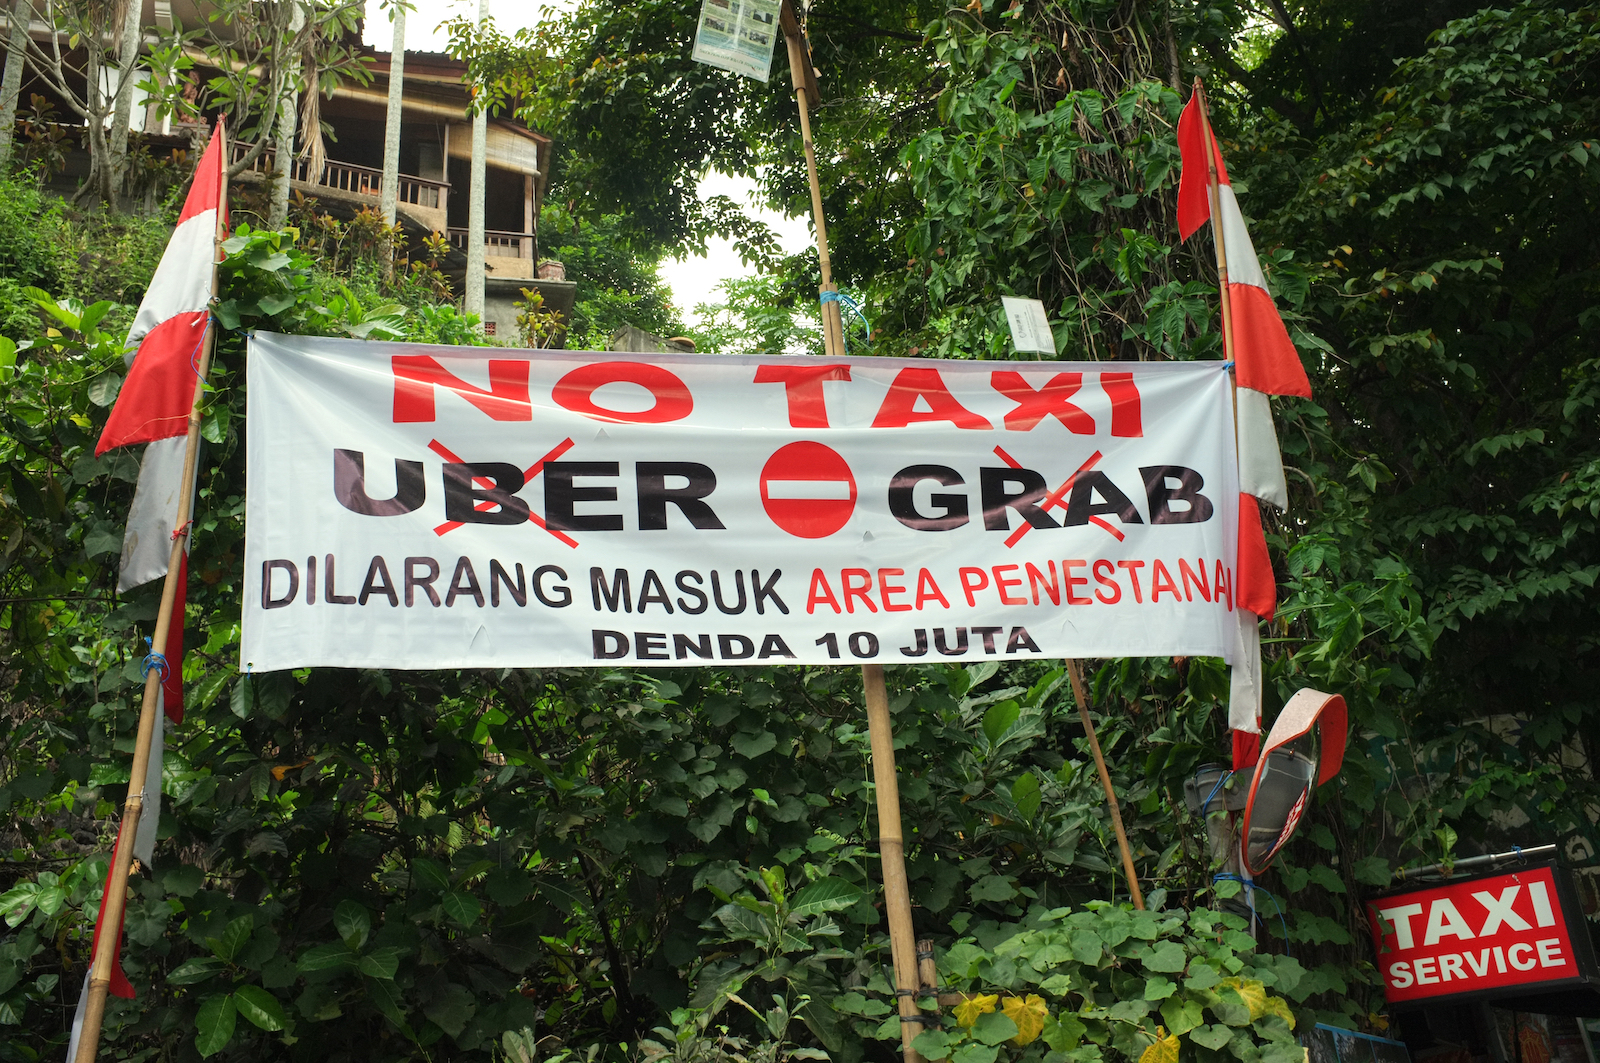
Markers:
point(543, 595)
point(699, 595)
point(1081, 506)
point(609, 645)
point(462, 495)
point(267, 569)
point(654, 494)
point(517, 590)
point(311, 580)
point(350, 486)
point(651, 590)
point(560, 496)
point(1197, 507)
point(457, 587)
point(650, 645)
point(961, 642)
point(327, 585)
point(761, 593)
point(716, 592)
point(700, 646)
point(902, 498)
point(997, 499)
point(413, 581)
point(864, 644)
point(615, 593)
point(728, 643)
point(774, 646)
point(922, 645)
point(372, 585)
point(1020, 640)
point(987, 634)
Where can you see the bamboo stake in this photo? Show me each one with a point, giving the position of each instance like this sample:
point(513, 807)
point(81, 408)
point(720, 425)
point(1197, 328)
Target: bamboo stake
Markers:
point(892, 849)
point(805, 94)
point(1219, 241)
point(116, 896)
point(891, 838)
point(1105, 782)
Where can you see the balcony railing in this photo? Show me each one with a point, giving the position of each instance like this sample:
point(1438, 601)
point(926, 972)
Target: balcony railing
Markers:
point(350, 178)
point(498, 243)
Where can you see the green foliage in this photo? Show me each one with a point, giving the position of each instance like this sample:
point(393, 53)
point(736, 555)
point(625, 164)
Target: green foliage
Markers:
point(1110, 982)
point(617, 283)
point(759, 315)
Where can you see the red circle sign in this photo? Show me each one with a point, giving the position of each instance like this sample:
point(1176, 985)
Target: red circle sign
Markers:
point(808, 490)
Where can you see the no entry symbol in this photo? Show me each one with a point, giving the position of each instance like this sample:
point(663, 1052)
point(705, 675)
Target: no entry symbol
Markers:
point(808, 490)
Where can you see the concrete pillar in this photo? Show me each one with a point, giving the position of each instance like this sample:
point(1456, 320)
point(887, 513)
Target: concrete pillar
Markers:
point(480, 144)
point(11, 82)
point(391, 127)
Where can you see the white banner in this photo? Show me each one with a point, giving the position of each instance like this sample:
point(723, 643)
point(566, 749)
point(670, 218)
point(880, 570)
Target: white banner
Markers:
point(453, 507)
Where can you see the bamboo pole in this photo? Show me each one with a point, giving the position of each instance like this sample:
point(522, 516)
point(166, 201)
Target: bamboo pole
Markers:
point(1105, 782)
point(805, 94)
point(880, 729)
point(1219, 241)
point(892, 849)
point(115, 900)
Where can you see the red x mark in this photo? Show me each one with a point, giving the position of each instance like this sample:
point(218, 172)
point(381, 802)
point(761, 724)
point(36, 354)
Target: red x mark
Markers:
point(1053, 499)
point(527, 475)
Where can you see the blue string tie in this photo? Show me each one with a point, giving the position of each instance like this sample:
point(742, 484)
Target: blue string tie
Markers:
point(154, 660)
point(1250, 885)
point(841, 297)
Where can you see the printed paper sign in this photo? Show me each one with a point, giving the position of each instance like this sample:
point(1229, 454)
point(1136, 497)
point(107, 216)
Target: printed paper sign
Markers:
point(1471, 937)
point(441, 507)
point(1030, 326)
point(737, 35)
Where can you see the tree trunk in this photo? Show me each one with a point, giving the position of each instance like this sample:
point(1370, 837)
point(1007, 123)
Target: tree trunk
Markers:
point(480, 138)
point(122, 111)
point(283, 155)
point(11, 83)
point(390, 198)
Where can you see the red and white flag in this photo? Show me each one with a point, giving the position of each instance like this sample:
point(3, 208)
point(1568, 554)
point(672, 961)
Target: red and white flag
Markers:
point(153, 408)
point(1265, 363)
point(120, 986)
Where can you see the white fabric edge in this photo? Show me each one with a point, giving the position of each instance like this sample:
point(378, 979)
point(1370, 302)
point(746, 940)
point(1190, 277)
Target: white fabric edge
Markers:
point(147, 542)
point(1244, 683)
point(144, 839)
point(1243, 265)
point(182, 281)
point(1260, 460)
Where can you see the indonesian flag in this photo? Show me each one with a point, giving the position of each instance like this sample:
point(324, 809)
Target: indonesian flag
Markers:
point(1265, 363)
point(1264, 358)
point(153, 406)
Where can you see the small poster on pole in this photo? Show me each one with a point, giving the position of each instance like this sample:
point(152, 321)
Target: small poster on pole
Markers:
point(1030, 326)
point(737, 35)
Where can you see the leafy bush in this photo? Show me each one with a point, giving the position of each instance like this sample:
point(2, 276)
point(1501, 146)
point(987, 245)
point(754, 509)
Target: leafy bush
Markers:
point(29, 220)
point(1117, 984)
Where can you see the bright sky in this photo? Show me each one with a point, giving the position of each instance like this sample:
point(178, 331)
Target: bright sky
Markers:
point(692, 280)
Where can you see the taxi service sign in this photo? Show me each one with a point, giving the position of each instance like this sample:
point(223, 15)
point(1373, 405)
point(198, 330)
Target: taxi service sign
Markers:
point(1496, 935)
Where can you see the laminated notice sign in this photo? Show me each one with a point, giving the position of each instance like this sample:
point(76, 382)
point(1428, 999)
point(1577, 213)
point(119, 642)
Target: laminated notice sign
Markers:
point(737, 35)
point(438, 507)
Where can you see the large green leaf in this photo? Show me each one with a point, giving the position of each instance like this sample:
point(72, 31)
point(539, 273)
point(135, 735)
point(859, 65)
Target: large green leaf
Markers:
point(214, 1024)
point(825, 895)
point(260, 1007)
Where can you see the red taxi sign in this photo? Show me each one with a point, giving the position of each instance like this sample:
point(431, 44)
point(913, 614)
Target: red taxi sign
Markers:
point(1479, 936)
